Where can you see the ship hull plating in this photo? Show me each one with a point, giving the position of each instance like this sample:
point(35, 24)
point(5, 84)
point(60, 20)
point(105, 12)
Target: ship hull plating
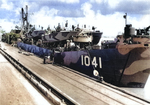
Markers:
point(127, 65)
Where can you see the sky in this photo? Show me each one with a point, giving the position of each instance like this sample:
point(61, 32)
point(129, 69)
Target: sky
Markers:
point(105, 15)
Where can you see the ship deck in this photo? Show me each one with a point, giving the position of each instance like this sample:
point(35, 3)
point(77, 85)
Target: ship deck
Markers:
point(80, 88)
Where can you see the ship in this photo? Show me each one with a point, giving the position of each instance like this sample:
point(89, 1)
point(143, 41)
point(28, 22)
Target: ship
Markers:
point(58, 37)
point(71, 39)
point(124, 62)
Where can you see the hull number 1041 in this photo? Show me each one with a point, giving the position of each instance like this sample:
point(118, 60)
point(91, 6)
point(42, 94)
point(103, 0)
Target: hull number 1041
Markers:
point(87, 61)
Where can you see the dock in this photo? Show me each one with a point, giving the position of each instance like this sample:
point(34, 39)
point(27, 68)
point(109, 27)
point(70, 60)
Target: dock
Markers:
point(15, 89)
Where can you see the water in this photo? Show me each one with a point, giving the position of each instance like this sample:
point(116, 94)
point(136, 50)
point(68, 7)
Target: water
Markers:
point(141, 92)
point(147, 89)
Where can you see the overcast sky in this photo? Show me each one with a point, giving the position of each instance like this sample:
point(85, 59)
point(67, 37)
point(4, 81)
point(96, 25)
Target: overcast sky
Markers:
point(106, 15)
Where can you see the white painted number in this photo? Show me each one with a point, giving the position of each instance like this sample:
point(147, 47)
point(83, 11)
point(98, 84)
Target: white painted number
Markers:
point(81, 59)
point(94, 63)
point(100, 62)
point(85, 60)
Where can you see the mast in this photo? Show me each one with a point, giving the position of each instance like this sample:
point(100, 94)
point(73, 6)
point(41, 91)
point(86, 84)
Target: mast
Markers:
point(25, 23)
point(22, 14)
point(125, 17)
point(27, 27)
